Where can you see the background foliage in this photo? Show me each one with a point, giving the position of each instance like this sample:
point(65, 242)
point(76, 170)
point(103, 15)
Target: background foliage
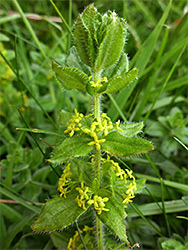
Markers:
point(157, 47)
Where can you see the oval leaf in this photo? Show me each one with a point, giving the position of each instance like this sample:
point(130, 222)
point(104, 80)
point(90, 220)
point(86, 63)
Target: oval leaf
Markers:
point(111, 46)
point(71, 147)
point(122, 146)
point(58, 213)
point(70, 78)
point(121, 67)
point(113, 218)
point(82, 40)
point(119, 82)
point(88, 17)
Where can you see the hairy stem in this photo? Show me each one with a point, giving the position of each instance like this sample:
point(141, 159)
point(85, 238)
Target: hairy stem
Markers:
point(97, 111)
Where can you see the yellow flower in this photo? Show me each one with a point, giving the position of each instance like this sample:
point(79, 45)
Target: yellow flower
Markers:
point(82, 197)
point(74, 124)
point(123, 176)
point(7, 73)
point(99, 204)
point(63, 180)
point(117, 126)
point(98, 83)
point(97, 142)
point(128, 199)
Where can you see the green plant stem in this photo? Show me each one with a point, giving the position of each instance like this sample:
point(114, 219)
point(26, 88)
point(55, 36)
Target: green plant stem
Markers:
point(97, 109)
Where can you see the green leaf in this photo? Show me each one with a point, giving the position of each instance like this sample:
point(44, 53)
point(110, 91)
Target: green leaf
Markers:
point(73, 60)
point(89, 89)
point(4, 38)
point(58, 213)
point(113, 218)
point(122, 146)
point(119, 82)
point(119, 68)
point(107, 19)
point(111, 46)
point(103, 88)
point(172, 245)
point(64, 118)
point(82, 40)
point(140, 184)
point(131, 129)
point(70, 78)
point(81, 170)
point(88, 17)
point(60, 240)
point(71, 147)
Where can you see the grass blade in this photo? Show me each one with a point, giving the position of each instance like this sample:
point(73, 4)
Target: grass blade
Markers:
point(20, 200)
point(163, 207)
point(10, 213)
point(62, 18)
point(164, 85)
point(39, 131)
point(144, 55)
point(29, 27)
point(9, 173)
point(153, 209)
point(180, 142)
point(139, 212)
point(172, 184)
point(15, 230)
point(142, 102)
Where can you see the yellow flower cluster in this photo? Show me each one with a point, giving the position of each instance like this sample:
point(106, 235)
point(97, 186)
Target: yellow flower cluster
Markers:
point(131, 187)
point(63, 180)
point(119, 171)
point(123, 175)
point(101, 124)
point(83, 195)
point(7, 74)
point(99, 203)
point(75, 240)
point(74, 124)
point(98, 83)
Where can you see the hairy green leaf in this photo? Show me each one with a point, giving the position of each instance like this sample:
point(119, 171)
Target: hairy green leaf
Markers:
point(119, 82)
point(119, 68)
point(58, 213)
point(74, 60)
point(131, 129)
point(88, 17)
point(82, 38)
point(113, 218)
point(111, 46)
point(81, 170)
point(122, 146)
point(71, 147)
point(70, 78)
